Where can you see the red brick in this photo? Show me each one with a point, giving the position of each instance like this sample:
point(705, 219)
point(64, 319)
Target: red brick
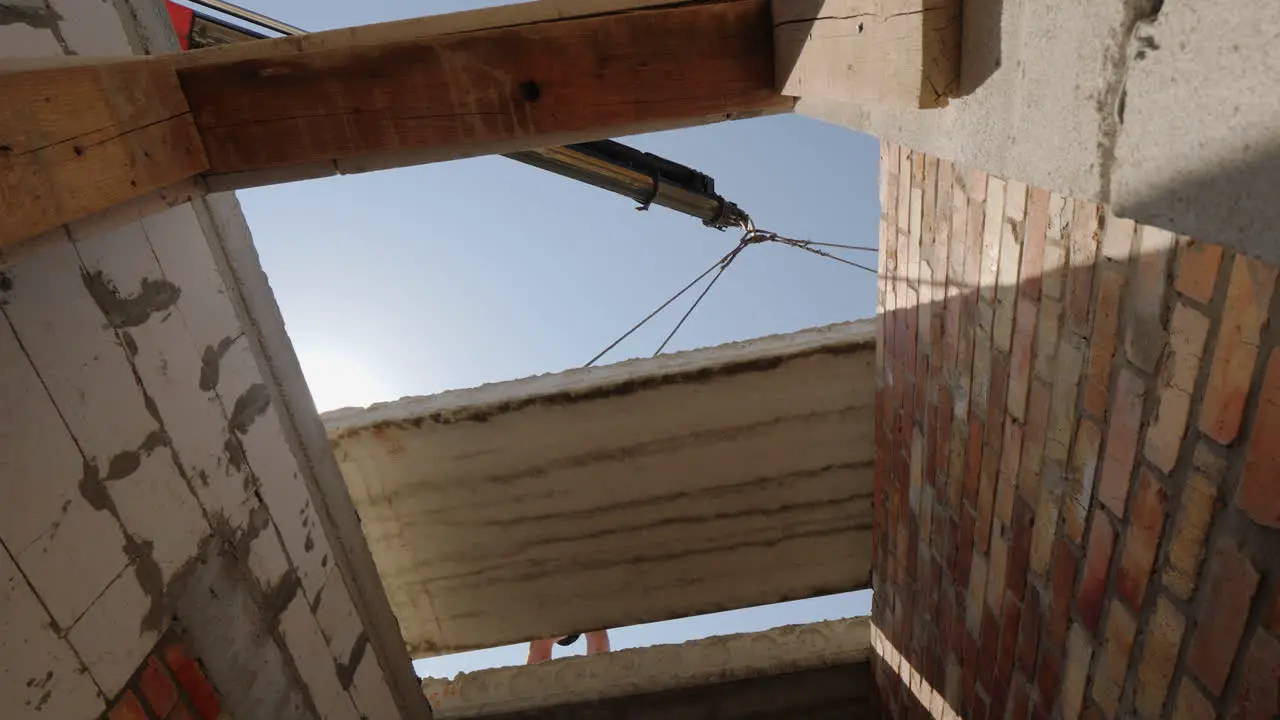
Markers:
point(1029, 632)
point(1068, 362)
point(1097, 560)
point(1258, 695)
point(1118, 238)
point(1049, 677)
point(999, 700)
point(964, 549)
point(1259, 494)
point(1198, 270)
point(1113, 665)
point(127, 707)
point(930, 182)
point(1240, 334)
point(1010, 456)
point(1144, 331)
point(973, 466)
point(1188, 331)
point(1162, 636)
point(1046, 525)
point(988, 474)
point(1020, 357)
point(1019, 702)
point(922, 371)
point(1123, 431)
point(1190, 528)
point(1141, 540)
point(997, 567)
point(1010, 622)
point(1232, 582)
point(1191, 704)
point(1102, 346)
point(179, 712)
point(157, 687)
point(1063, 579)
point(1081, 474)
point(1019, 549)
point(1033, 442)
point(979, 708)
point(931, 445)
point(1033, 242)
point(1075, 671)
point(988, 650)
point(192, 680)
point(958, 446)
point(1082, 262)
point(946, 410)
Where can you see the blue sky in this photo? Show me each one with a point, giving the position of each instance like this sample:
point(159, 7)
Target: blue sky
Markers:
point(418, 280)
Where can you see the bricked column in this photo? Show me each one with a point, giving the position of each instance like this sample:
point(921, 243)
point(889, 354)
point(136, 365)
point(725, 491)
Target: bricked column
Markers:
point(1078, 459)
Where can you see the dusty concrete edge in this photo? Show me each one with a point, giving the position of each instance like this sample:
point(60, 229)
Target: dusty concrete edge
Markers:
point(755, 354)
point(652, 669)
point(237, 259)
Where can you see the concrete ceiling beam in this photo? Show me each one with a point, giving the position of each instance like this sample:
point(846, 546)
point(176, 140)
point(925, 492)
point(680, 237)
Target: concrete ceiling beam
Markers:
point(690, 483)
point(816, 670)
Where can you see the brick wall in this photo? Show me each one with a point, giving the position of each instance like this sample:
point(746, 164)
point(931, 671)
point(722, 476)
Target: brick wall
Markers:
point(1078, 496)
point(170, 684)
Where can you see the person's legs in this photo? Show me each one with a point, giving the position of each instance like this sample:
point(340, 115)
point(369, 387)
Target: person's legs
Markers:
point(597, 642)
point(540, 650)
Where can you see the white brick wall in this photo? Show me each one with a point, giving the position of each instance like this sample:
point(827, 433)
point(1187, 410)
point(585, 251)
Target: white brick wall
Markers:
point(130, 436)
point(40, 676)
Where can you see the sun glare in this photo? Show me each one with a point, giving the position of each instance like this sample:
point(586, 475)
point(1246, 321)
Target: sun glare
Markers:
point(339, 380)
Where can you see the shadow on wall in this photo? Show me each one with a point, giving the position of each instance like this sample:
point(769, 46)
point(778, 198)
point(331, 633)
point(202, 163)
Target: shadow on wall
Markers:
point(1237, 201)
point(1063, 393)
point(979, 43)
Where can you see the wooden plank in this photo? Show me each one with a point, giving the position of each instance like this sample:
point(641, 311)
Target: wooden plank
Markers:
point(78, 140)
point(414, 29)
point(463, 93)
point(902, 53)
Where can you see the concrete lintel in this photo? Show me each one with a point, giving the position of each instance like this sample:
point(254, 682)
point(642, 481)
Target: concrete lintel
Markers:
point(651, 670)
point(648, 490)
point(1166, 111)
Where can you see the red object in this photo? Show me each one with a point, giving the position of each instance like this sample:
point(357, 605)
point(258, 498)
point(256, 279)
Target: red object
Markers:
point(157, 687)
point(204, 699)
point(182, 17)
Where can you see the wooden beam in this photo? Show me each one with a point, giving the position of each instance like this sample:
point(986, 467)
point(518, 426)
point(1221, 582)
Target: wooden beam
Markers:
point(76, 140)
point(475, 92)
point(901, 53)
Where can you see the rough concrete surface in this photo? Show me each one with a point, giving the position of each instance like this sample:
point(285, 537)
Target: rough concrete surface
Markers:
point(649, 490)
point(1165, 110)
point(1199, 148)
point(582, 681)
point(1039, 79)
